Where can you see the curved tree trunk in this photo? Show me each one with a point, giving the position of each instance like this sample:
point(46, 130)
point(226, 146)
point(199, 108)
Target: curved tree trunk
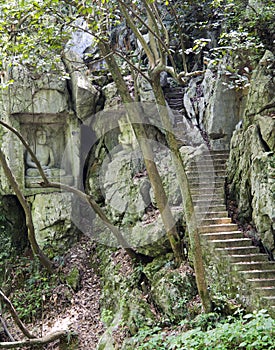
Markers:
point(188, 207)
point(25, 205)
point(154, 177)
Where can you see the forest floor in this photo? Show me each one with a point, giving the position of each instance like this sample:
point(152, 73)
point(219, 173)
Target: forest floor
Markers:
point(77, 310)
point(82, 313)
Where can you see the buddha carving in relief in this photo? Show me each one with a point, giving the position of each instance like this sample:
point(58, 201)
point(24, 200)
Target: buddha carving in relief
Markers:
point(44, 154)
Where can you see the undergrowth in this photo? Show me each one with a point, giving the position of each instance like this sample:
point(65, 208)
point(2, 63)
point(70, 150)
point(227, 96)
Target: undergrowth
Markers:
point(32, 288)
point(251, 331)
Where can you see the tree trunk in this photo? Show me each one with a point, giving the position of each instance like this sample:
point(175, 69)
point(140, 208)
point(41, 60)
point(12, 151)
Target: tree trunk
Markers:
point(139, 130)
point(188, 207)
point(31, 232)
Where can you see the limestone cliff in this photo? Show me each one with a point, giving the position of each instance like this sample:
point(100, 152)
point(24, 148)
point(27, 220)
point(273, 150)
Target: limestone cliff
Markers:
point(251, 167)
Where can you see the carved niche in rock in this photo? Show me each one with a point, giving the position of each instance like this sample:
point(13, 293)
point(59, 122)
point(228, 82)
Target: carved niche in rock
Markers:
point(47, 137)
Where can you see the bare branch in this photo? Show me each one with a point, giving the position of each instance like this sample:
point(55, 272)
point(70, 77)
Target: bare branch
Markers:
point(137, 33)
point(89, 200)
point(160, 41)
point(31, 232)
point(28, 148)
point(15, 316)
point(49, 338)
point(132, 65)
point(5, 327)
point(152, 24)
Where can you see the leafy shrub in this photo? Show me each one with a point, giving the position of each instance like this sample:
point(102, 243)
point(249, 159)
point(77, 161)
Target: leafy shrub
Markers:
point(252, 331)
point(33, 287)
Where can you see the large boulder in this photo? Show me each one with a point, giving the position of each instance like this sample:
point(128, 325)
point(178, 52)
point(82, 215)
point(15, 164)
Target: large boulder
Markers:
point(221, 108)
point(51, 215)
point(171, 289)
point(251, 167)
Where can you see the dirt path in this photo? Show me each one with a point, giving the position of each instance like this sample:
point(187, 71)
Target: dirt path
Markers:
point(79, 311)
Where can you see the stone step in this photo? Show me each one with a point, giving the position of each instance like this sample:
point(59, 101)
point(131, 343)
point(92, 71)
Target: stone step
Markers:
point(207, 197)
point(209, 207)
point(218, 228)
point(230, 243)
point(255, 265)
point(219, 151)
point(195, 183)
point(248, 257)
point(212, 156)
point(207, 203)
point(205, 163)
point(266, 291)
point(262, 282)
point(222, 235)
point(207, 174)
point(216, 183)
point(206, 167)
point(216, 221)
point(270, 300)
point(238, 250)
point(258, 273)
point(212, 214)
point(207, 191)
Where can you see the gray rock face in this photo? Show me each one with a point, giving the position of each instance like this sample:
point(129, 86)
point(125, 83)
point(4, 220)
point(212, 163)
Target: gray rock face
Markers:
point(222, 109)
point(261, 96)
point(51, 219)
point(84, 95)
point(171, 288)
point(251, 167)
point(56, 105)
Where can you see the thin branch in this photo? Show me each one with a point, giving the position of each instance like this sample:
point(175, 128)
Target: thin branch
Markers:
point(25, 205)
point(150, 30)
point(15, 316)
point(132, 65)
point(5, 327)
point(47, 184)
point(181, 39)
point(116, 232)
point(49, 338)
point(268, 106)
point(154, 44)
point(137, 33)
point(28, 148)
point(166, 35)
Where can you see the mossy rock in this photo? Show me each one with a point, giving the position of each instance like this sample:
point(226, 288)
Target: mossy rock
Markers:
point(172, 290)
point(137, 312)
point(159, 262)
point(73, 278)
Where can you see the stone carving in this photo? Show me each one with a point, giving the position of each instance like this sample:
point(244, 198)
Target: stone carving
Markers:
point(44, 154)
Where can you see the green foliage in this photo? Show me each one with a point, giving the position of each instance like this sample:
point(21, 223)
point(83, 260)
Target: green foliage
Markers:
point(31, 35)
point(33, 287)
point(252, 331)
point(7, 250)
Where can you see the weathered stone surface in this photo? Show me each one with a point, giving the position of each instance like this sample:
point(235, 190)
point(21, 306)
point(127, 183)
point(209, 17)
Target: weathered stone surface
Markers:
point(145, 91)
point(251, 171)
point(262, 89)
point(171, 288)
point(112, 98)
point(122, 301)
point(46, 94)
point(150, 238)
point(51, 218)
point(251, 179)
point(222, 109)
point(126, 193)
point(84, 94)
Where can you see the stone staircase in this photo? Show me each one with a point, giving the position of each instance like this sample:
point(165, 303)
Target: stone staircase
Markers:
point(237, 261)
